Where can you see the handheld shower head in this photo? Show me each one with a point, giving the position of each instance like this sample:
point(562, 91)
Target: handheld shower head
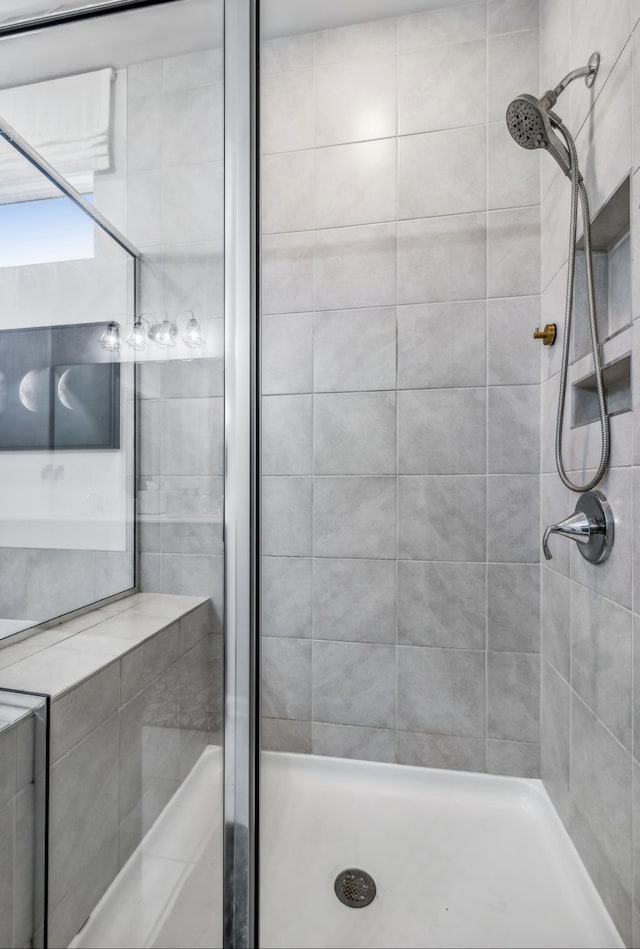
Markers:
point(530, 122)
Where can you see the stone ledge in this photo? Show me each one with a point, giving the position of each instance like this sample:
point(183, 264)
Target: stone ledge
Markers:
point(59, 659)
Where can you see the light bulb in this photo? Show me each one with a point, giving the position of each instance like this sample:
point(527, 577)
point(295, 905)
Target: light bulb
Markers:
point(164, 334)
point(110, 339)
point(193, 334)
point(137, 338)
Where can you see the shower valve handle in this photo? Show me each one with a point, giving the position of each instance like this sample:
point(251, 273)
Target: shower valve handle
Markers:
point(590, 525)
point(576, 527)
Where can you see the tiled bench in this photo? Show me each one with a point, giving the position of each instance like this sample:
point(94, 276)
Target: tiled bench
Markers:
point(136, 690)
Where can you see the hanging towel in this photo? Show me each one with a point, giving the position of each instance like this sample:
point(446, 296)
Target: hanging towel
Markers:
point(68, 121)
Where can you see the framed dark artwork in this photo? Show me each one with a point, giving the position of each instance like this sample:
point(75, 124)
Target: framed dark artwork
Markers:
point(59, 391)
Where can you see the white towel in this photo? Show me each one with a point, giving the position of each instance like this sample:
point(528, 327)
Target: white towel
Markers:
point(67, 120)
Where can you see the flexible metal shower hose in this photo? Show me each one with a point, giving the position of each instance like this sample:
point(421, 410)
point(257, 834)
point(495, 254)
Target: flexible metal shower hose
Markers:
point(578, 191)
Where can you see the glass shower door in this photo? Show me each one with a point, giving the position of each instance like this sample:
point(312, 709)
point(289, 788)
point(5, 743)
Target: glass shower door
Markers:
point(136, 843)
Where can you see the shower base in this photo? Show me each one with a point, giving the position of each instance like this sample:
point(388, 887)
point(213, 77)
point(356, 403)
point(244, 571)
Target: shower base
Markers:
point(458, 859)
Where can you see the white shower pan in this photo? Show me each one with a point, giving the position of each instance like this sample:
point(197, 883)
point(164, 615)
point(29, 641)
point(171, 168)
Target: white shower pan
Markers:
point(468, 860)
point(458, 859)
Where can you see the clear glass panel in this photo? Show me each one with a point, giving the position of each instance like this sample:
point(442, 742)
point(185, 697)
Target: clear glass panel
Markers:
point(66, 403)
point(420, 668)
point(135, 853)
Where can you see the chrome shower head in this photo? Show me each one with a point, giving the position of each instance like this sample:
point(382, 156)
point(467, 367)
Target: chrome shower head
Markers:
point(530, 122)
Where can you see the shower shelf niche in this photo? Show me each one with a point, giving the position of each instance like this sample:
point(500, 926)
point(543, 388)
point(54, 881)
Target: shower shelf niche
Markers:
point(617, 384)
point(612, 273)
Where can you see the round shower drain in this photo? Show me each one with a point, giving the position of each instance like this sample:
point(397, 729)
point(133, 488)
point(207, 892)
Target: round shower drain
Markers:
point(355, 888)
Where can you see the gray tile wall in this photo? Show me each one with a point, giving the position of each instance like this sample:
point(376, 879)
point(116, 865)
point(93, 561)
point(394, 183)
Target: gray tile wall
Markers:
point(589, 722)
point(122, 742)
point(175, 200)
point(17, 831)
point(401, 281)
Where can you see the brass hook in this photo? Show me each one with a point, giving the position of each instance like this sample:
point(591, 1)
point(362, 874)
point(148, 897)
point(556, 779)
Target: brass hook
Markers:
point(547, 335)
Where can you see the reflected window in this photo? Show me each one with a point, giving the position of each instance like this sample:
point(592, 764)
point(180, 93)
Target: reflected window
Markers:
point(45, 231)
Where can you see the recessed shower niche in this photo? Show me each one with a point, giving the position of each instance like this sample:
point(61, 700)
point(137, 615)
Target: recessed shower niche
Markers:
point(612, 278)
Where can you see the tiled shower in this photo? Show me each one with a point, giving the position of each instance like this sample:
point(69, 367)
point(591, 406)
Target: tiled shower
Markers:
point(401, 236)
point(409, 251)
point(337, 617)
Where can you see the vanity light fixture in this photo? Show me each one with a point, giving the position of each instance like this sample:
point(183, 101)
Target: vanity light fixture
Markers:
point(164, 334)
point(137, 338)
point(193, 337)
point(110, 339)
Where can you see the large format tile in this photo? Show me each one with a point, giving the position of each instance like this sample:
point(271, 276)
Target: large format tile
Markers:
point(24, 895)
point(441, 604)
point(513, 513)
point(352, 741)
point(555, 621)
point(513, 444)
point(513, 252)
point(601, 651)
point(452, 24)
point(438, 344)
point(442, 259)
point(354, 517)
point(286, 678)
point(186, 218)
point(149, 741)
point(513, 607)
point(355, 433)
point(287, 353)
point(77, 713)
point(555, 738)
point(513, 696)
point(287, 111)
point(601, 784)
point(8, 782)
point(355, 350)
point(286, 517)
point(84, 808)
point(513, 69)
point(511, 16)
point(610, 25)
point(287, 272)
point(355, 100)
point(193, 437)
point(148, 661)
point(441, 431)
point(441, 691)
point(442, 173)
point(612, 579)
point(286, 597)
point(7, 842)
point(287, 434)
point(514, 758)
point(281, 734)
point(286, 52)
point(354, 684)
point(460, 101)
point(287, 189)
point(355, 183)
point(441, 751)
point(192, 70)
point(354, 600)
point(357, 41)
point(441, 518)
point(355, 267)
point(195, 117)
point(513, 173)
point(513, 356)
